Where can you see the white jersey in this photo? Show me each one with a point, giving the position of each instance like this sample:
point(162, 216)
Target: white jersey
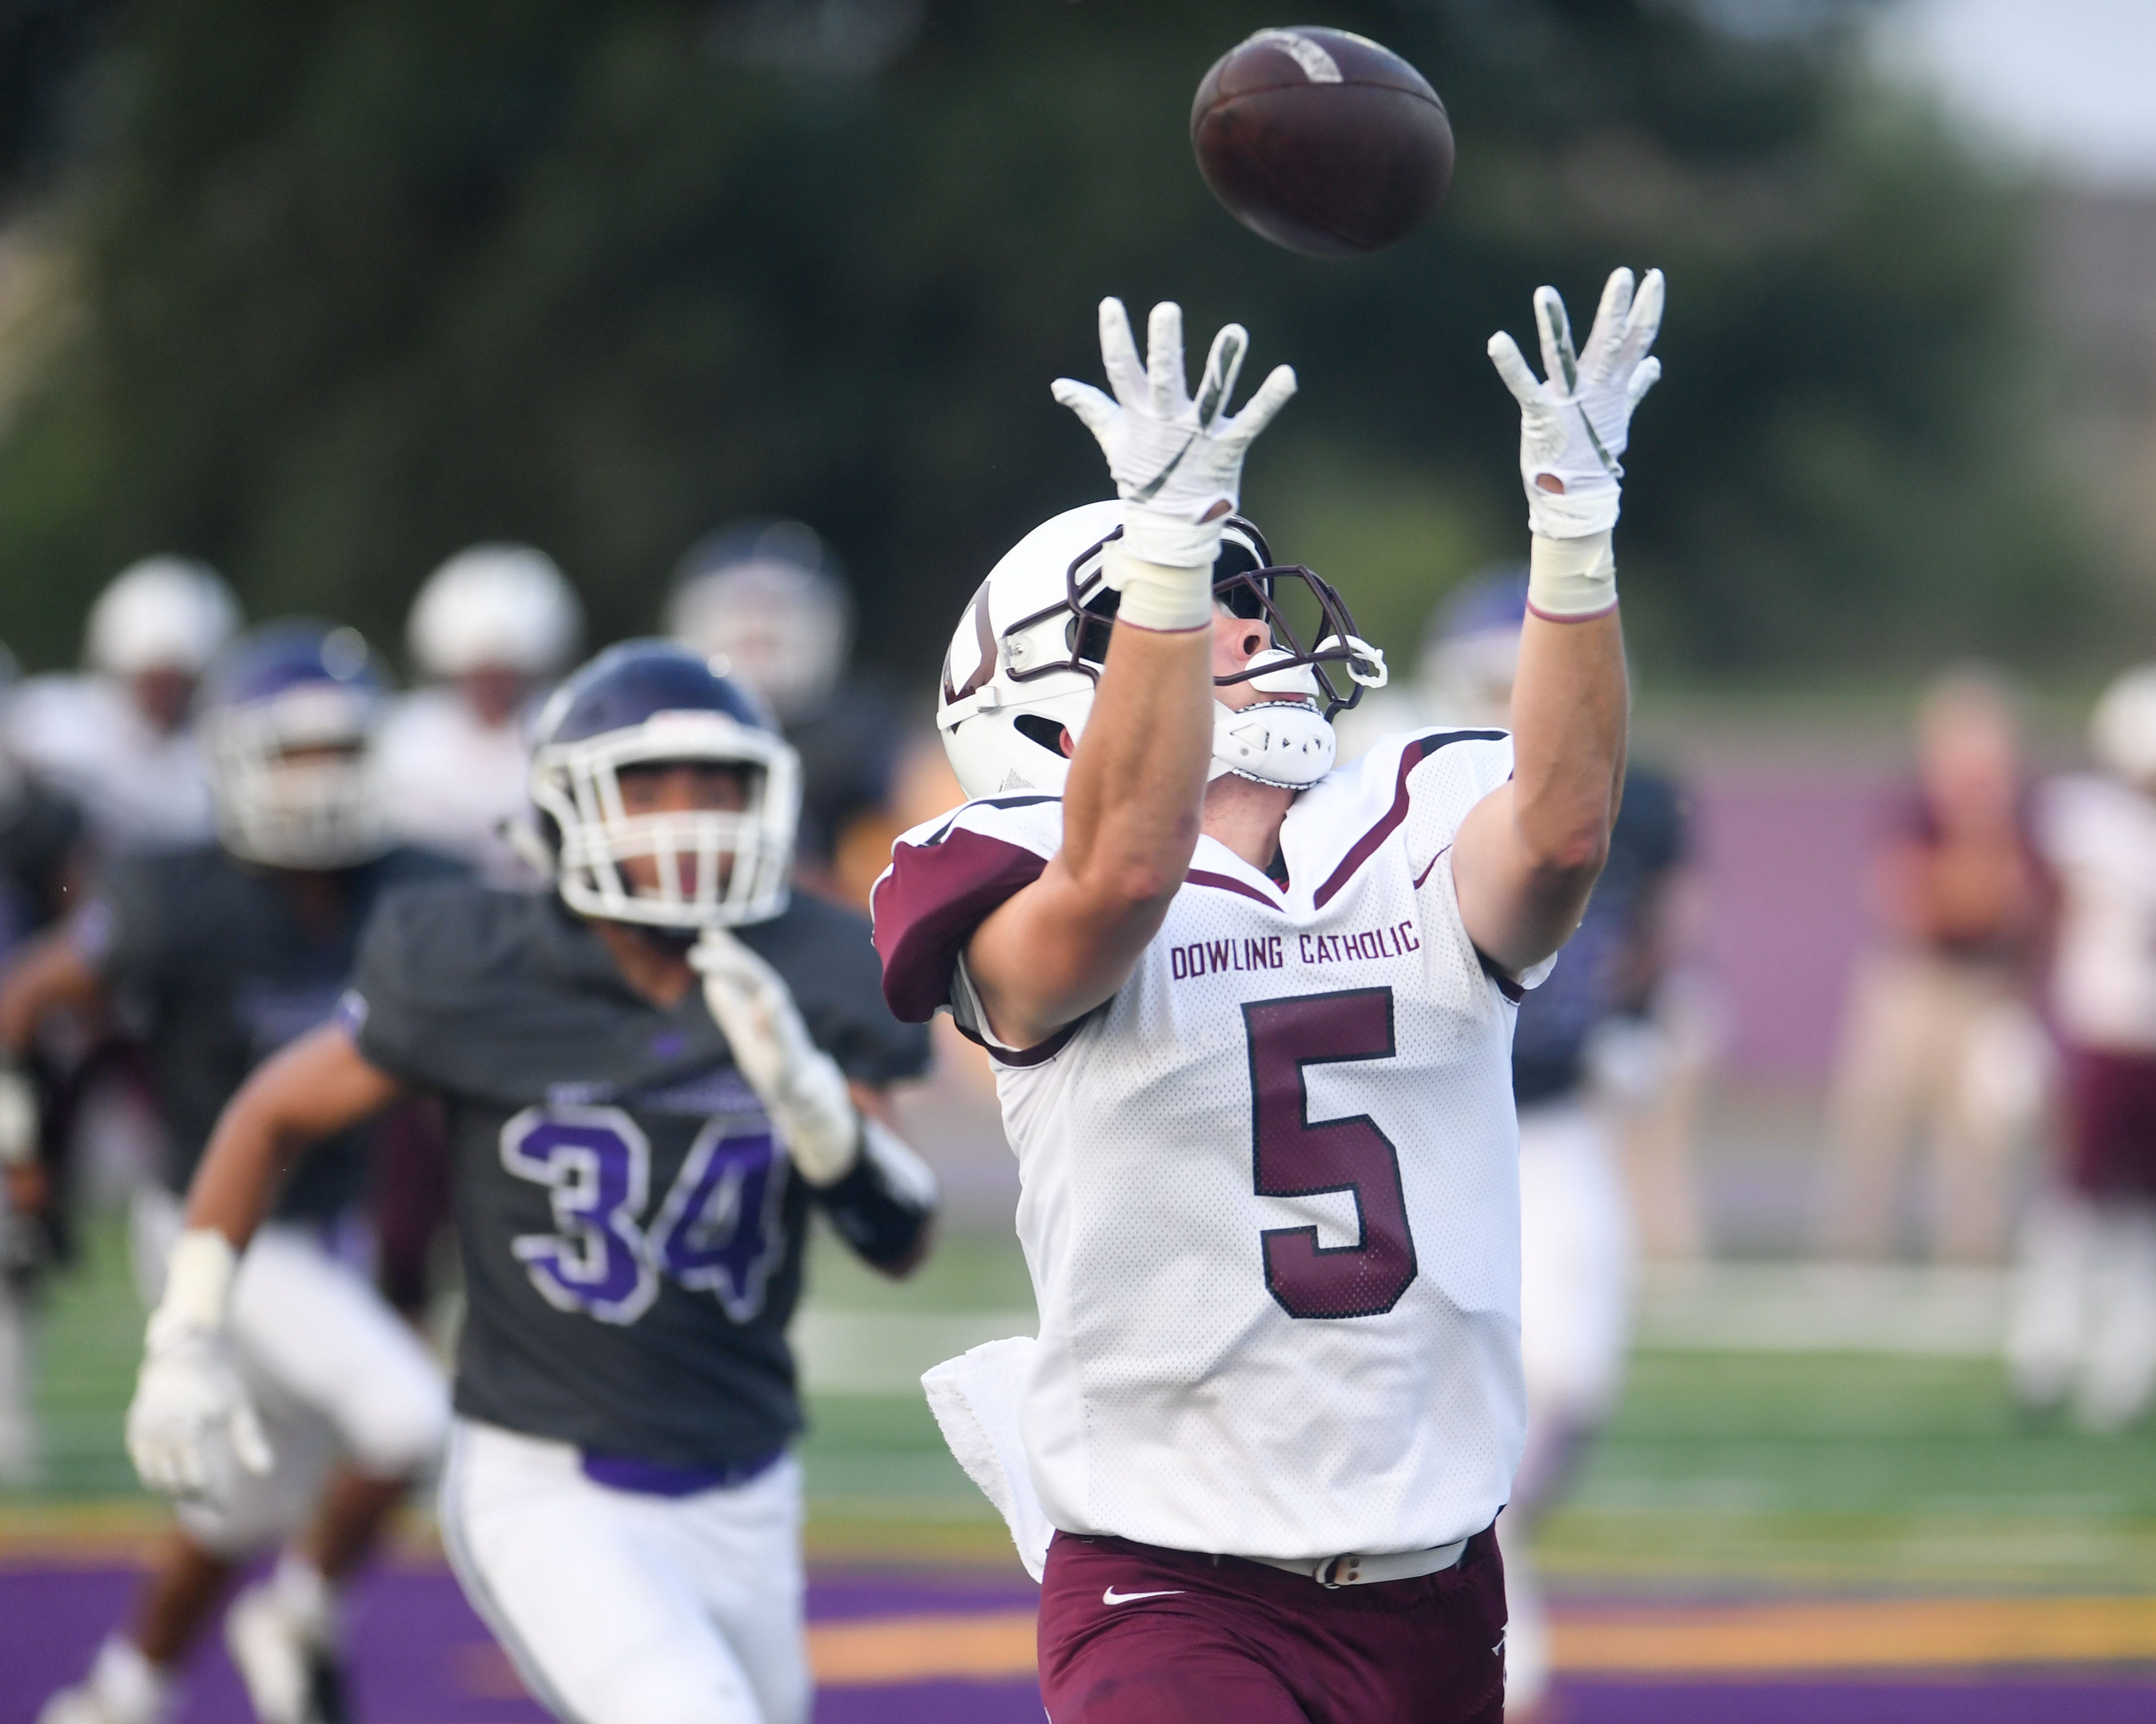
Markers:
point(136, 784)
point(2100, 836)
point(1270, 1197)
point(449, 782)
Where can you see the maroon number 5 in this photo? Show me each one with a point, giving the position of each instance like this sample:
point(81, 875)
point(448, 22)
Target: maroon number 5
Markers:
point(1292, 1157)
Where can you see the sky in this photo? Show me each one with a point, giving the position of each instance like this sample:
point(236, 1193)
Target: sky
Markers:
point(2068, 84)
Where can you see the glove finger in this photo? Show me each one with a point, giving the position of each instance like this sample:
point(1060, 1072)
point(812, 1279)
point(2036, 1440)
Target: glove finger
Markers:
point(1167, 386)
point(1099, 411)
point(1513, 367)
point(1560, 361)
point(1642, 324)
point(1598, 359)
point(1272, 396)
point(249, 1440)
point(1223, 366)
point(1645, 376)
point(1119, 353)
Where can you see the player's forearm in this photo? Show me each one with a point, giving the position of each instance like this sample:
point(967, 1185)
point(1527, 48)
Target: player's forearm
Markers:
point(1134, 803)
point(1570, 708)
point(318, 1086)
point(1131, 811)
point(1527, 855)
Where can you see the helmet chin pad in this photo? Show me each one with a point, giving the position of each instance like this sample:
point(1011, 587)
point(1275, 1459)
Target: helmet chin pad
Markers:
point(1286, 743)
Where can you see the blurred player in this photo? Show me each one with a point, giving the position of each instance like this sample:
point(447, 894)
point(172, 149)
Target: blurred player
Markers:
point(769, 599)
point(635, 1159)
point(1939, 1047)
point(2082, 1324)
point(1577, 1235)
point(239, 946)
point(41, 861)
point(1252, 1018)
point(490, 629)
point(116, 740)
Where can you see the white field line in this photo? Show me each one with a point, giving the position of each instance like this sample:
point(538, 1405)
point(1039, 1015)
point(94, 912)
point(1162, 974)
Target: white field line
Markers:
point(1768, 1308)
point(858, 1352)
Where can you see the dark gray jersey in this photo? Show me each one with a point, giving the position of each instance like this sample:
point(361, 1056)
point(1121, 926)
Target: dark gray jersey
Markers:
point(228, 963)
point(631, 1237)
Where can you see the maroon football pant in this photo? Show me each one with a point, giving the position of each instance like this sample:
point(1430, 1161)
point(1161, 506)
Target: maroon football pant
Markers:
point(1244, 1644)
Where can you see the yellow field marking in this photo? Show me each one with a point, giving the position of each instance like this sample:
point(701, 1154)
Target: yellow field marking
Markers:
point(921, 1648)
point(1870, 1634)
point(867, 1654)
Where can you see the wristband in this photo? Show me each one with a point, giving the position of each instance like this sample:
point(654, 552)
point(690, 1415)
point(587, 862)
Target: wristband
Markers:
point(1571, 580)
point(198, 1280)
point(1159, 596)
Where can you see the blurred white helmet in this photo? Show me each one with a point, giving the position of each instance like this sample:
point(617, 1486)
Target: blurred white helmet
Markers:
point(496, 607)
point(766, 597)
point(1023, 664)
point(162, 613)
point(2123, 731)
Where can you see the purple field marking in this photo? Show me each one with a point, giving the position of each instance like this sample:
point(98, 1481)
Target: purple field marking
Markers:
point(421, 1657)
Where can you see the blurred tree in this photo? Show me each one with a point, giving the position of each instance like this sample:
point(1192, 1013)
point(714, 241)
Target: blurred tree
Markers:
point(365, 280)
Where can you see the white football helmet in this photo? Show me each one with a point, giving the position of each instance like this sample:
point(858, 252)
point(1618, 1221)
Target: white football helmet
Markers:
point(2122, 732)
point(1027, 655)
point(766, 597)
point(494, 607)
point(162, 613)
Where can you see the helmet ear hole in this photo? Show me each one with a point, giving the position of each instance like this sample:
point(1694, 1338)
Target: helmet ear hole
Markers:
point(1035, 727)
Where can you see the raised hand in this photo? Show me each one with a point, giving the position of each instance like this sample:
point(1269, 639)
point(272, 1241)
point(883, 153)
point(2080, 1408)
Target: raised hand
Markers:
point(1176, 459)
point(1576, 419)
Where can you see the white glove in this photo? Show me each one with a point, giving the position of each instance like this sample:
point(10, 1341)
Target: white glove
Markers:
point(800, 1085)
point(1574, 427)
point(190, 1413)
point(1178, 463)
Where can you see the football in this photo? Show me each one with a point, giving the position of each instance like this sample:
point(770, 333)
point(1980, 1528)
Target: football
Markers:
point(1322, 141)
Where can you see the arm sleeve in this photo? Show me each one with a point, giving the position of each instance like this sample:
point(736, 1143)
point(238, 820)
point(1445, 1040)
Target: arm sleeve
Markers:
point(885, 1202)
point(945, 879)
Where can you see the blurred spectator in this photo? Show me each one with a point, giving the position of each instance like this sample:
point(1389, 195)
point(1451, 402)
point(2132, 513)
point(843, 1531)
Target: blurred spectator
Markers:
point(116, 740)
point(1938, 1046)
point(2083, 1322)
point(490, 629)
point(769, 598)
point(1593, 1019)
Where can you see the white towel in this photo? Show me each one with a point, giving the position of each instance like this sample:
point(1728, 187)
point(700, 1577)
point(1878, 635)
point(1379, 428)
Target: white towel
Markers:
point(975, 1398)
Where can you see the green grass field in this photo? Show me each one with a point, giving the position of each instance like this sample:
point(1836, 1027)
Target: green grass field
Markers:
point(1723, 1472)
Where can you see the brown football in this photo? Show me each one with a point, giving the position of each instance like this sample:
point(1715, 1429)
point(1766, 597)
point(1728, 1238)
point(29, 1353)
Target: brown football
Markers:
point(1322, 141)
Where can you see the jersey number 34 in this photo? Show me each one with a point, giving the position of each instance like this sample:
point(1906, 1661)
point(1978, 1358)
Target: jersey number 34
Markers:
point(718, 1230)
point(1290, 1157)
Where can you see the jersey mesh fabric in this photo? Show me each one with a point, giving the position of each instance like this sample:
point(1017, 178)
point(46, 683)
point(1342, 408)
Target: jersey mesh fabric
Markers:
point(631, 1240)
point(1199, 1384)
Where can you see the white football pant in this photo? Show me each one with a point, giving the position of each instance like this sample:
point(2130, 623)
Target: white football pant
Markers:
point(2081, 1319)
point(618, 1608)
point(1576, 1273)
point(333, 1371)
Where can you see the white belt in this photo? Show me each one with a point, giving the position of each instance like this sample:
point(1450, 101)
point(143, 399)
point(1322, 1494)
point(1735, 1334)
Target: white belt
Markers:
point(1351, 1570)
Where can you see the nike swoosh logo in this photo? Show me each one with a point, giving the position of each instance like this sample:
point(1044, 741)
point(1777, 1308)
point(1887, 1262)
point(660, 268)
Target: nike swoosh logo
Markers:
point(1148, 492)
point(1113, 1597)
